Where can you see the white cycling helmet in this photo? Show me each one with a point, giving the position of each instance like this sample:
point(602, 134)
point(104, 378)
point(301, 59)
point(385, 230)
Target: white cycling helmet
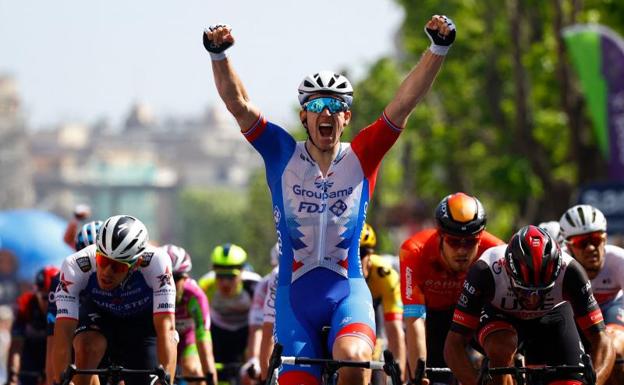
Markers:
point(552, 228)
point(275, 255)
point(180, 259)
point(122, 238)
point(326, 82)
point(582, 219)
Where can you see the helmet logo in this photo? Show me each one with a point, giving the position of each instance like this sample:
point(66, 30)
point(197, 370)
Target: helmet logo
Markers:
point(122, 227)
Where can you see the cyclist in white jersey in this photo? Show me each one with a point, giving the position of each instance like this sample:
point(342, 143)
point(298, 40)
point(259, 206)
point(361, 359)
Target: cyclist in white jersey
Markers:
point(251, 369)
point(320, 190)
point(116, 297)
point(584, 230)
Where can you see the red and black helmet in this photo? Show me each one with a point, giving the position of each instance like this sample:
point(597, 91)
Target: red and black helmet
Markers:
point(43, 279)
point(460, 214)
point(533, 259)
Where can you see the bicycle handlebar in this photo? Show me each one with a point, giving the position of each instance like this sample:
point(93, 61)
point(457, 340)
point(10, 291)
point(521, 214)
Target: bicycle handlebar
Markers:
point(586, 369)
point(375, 365)
point(115, 371)
point(389, 365)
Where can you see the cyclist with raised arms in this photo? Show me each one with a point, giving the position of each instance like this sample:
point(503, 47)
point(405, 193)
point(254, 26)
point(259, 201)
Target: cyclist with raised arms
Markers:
point(584, 230)
point(192, 318)
point(434, 264)
point(116, 297)
point(320, 189)
point(526, 296)
point(385, 287)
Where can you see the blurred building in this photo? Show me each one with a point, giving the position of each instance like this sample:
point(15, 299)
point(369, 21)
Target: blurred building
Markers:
point(15, 168)
point(139, 168)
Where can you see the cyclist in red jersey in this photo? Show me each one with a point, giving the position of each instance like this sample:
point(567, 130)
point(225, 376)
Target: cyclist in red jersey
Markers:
point(434, 264)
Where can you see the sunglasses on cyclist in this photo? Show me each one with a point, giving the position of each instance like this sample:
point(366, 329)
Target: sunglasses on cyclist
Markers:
point(332, 104)
point(584, 240)
point(103, 262)
point(457, 242)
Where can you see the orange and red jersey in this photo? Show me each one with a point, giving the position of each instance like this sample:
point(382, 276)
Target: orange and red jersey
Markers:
point(426, 280)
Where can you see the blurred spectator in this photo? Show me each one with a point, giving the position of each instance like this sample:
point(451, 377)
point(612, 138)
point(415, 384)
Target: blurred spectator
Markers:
point(6, 320)
point(81, 213)
point(9, 285)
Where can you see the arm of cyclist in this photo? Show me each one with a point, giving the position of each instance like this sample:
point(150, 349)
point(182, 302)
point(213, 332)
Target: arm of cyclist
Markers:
point(577, 289)
point(396, 342)
point(478, 289)
point(251, 368)
point(266, 348)
point(457, 359)
point(166, 341)
point(602, 353)
point(416, 343)
point(230, 87)
point(441, 32)
point(63, 336)
point(14, 359)
point(206, 356)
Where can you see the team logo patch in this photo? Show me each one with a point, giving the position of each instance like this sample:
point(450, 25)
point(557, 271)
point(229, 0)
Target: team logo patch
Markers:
point(338, 208)
point(64, 283)
point(276, 215)
point(146, 258)
point(165, 279)
point(323, 184)
point(84, 263)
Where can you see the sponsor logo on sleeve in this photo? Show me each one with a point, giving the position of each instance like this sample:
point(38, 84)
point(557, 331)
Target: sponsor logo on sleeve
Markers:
point(84, 263)
point(469, 288)
point(64, 284)
point(146, 258)
point(408, 283)
point(165, 278)
point(166, 306)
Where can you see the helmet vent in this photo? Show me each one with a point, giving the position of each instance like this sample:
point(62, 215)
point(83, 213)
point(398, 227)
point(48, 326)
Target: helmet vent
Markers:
point(308, 84)
point(331, 82)
point(226, 249)
point(568, 218)
point(103, 237)
point(581, 216)
point(131, 244)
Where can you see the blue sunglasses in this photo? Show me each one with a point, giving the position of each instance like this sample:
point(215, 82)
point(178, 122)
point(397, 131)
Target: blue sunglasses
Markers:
point(332, 104)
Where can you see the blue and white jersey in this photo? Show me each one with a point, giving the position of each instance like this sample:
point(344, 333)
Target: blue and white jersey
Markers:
point(319, 217)
point(149, 286)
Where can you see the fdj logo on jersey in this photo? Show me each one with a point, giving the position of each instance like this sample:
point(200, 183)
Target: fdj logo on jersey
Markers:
point(337, 208)
point(311, 207)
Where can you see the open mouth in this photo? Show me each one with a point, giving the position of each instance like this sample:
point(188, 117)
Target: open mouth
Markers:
point(326, 129)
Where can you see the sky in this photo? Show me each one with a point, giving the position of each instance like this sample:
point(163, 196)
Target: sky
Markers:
point(79, 61)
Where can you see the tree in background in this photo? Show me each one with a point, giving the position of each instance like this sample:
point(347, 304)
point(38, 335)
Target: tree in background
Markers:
point(504, 121)
point(210, 218)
